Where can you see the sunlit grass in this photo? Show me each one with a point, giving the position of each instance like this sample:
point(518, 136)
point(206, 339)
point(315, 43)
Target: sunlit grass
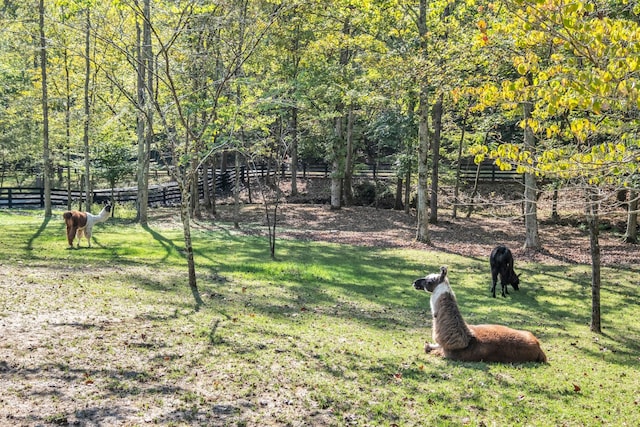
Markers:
point(325, 333)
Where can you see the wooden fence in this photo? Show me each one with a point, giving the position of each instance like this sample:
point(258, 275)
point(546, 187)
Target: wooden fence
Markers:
point(169, 194)
point(487, 172)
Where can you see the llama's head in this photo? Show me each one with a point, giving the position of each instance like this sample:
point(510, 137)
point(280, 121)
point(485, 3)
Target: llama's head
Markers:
point(430, 282)
point(513, 279)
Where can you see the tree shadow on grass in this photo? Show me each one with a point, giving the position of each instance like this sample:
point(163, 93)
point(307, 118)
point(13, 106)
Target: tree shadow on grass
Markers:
point(169, 246)
point(38, 232)
point(166, 243)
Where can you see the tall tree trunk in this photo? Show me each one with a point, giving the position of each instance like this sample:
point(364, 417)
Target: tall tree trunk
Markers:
point(148, 59)
point(206, 183)
point(337, 165)
point(87, 111)
point(532, 240)
point(236, 192)
point(631, 234)
point(67, 124)
point(141, 120)
point(592, 221)
point(397, 203)
point(293, 124)
point(294, 151)
point(195, 190)
point(437, 132)
point(555, 217)
point(407, 193)
point(339, 143)
point(214, 179)
point(456, 188)
point(45, 114)
point(188, 245)
point(474, 192)
point(422, 233)
point(348, 167)
point(238, 75)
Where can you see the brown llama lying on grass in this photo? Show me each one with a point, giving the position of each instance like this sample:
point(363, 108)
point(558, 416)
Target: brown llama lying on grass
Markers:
point(457, 340)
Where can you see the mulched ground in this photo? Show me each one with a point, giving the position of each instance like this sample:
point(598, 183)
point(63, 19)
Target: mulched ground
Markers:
point(566, 242)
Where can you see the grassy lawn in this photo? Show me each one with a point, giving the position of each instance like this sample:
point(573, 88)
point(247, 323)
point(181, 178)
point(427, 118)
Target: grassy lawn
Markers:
point(325, 335)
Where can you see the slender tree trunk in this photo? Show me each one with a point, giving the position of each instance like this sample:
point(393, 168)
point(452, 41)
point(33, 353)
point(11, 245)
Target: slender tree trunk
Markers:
point(188, 245)
point(337, 165)
point(631, 234)
point(339, 142)
point(214, 178)
point(250, 174)
point(141, 208)
point(67, 124)
point(593, 224)
point(87, 111)
point(148, 58)
point(45, 114)
point(474, 192)
point(236, 192)
point(206, 189)
point(397, 204)
point(195, 190)
point(348, 167)
point(555, 217)
point(407, 193)
point(422, 233)
point(437, 132)
point(423, 169)
point(476, 181)
point(294, 151)
point(532, 240)
point(456, 188)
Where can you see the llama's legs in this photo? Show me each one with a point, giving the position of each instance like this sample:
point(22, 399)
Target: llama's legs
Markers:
point(71, 234)
point(79, 235)
point(503, 285)
point(87, 233)
point(494, 277)
point(428, 348)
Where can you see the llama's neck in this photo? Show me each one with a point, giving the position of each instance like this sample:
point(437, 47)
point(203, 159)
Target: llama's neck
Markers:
point(449, 328)
point(95, 219)
point(103, 215)
point(440, 290)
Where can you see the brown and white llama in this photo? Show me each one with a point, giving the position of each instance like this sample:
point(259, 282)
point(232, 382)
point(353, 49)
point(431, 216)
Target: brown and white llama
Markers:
point(81, 223)
point(457, 340)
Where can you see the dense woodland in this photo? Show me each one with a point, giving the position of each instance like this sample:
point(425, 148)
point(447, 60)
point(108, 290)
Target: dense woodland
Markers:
point(546, 88)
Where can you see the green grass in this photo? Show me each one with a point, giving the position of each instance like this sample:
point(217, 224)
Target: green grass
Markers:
point(324, 335)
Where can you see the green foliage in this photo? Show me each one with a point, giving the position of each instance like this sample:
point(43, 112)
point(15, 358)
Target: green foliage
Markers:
point(113, 161)
point(327, 334)
point(576, 64)
point(234, 76)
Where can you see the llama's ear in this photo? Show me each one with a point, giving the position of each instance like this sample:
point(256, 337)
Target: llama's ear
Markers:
point(443, 272)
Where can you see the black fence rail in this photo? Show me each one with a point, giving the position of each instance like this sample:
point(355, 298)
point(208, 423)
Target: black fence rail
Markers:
point(488, 172)
point(169, 194)
point(33, 197)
